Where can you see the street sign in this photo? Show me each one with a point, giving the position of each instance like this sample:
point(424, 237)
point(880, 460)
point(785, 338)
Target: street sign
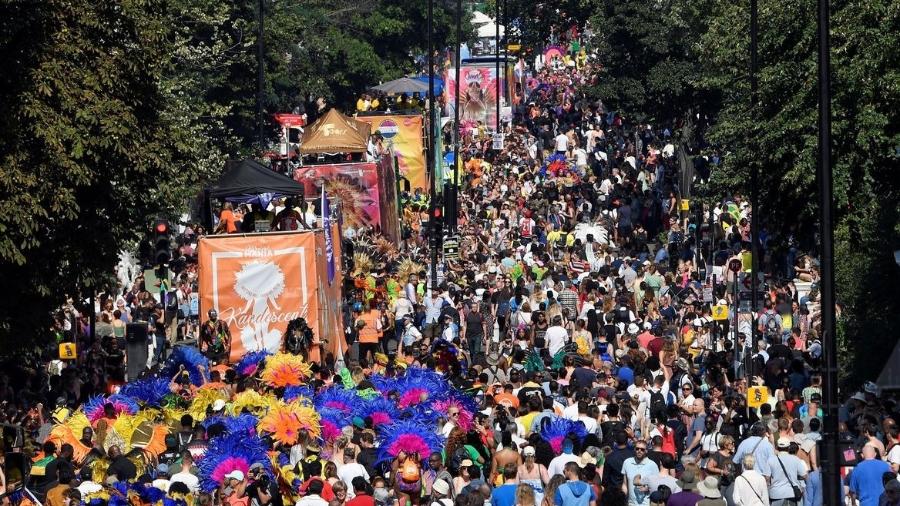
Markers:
point(451, 249)
point(497, 144)
point(68, 351)
point(707, 294)
point(757, 396)
point(735, 265)
point(685, 205)
point(720, 313)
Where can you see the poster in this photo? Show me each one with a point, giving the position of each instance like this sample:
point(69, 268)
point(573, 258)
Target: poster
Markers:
point(478, 93)
point(258, 283)
point(355, 185)
point(403, 136)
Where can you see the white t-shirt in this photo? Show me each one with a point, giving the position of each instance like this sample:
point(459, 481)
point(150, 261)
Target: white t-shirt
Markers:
point(349, 471)
point(562, 142)
point(580, 157)
point(192, 482)
point(556, 339)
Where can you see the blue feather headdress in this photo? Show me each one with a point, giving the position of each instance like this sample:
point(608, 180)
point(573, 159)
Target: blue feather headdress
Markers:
point(407, 436)
point(229, 453)
point(380, 409)
point(558, 429)
point(298, 391)
point(243, 424)
point(416, 386)
point(337, 398)
point(94, 408)
point(251, 362)
point(190, 358)
point(149, 391)
point(332, 422)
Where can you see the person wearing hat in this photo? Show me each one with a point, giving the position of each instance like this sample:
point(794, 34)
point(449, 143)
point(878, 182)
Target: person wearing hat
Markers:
point(410, 334)
point(788, 471)
point(236, 489)
point(162, 478)
point(533, 473)
point(440, 494)
point(709, 489)
point(688, 494)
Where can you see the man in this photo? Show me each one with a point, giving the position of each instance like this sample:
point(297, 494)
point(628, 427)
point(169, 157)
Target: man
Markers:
point(263, 491)
point(634, 470)
point(698, 426)
point(120, 466)
point(185, 476)
point(559, 463)
point(215, 338)
point(759, 446)
point(401, 308)
point(452, 422)
point(507, 456)
point(350, 470)
point(787, 472)
point(866, 482)
point(65, 475)
point(162, 480)
point(367, 452)
point(561, 143)
point(440, 494)
point(235, 489)
point(505, 495)
point(556, 336)
point(750, 488)
point(473, 331)
point(362, 494)
point(313, 495)
point(437, 472)
point(665, 477)
point(574, 492)
point(612, 470)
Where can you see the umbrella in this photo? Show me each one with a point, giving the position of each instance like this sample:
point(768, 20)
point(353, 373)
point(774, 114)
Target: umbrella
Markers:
point(403, 85)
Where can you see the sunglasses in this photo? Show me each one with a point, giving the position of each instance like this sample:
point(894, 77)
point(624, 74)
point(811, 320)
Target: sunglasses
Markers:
point(640, 449)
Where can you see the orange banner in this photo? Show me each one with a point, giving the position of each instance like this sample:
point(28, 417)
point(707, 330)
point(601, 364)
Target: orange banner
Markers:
point(258, 283)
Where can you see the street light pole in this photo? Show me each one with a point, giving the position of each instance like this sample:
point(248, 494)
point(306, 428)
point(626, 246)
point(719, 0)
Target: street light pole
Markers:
point(497, 63)
point(260, 76)
point(454, 190)
point(754, 171)
point(831, 468)
point(432, 200)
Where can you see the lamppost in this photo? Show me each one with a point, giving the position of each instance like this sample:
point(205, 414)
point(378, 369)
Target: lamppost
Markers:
point(432, 193)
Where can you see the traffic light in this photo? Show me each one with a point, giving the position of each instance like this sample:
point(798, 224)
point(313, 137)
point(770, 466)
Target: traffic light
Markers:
point(162, 242)
point(436, 228)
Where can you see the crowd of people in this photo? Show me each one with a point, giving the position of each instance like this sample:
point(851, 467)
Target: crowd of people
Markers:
point(569, 356)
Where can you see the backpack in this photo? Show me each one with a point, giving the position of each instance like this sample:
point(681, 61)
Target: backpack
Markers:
point(658, 406)
point(459, 455)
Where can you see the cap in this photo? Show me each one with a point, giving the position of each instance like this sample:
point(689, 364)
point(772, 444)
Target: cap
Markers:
point(633, 328)
point(162, 469)
point(441, 487)
point(648, 325)
point(466, 463)
point(218, 405)
point(784, 442)
point(237, 474)
point(585, 459)
point(528, 451)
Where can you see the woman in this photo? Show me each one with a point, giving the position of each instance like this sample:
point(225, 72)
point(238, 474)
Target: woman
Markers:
point(462, 480)
point(551, 488)
point(533, 474)
point(582, 339)
point(667, 357)
point(719, 463)
point(227, 220)
point(330, 473)
point(340, 493)
point(525, 496)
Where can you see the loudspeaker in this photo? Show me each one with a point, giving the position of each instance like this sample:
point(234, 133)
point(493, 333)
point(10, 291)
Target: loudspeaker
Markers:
point(136, 349)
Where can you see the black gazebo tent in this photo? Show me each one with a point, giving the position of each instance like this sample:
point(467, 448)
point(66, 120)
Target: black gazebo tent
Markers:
point(249, 177)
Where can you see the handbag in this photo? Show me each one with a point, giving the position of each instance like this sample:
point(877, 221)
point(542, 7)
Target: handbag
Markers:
point(798, 492)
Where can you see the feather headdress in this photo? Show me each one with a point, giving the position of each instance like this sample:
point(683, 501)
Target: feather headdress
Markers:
point(407, 436)
point(252, 402)
point(558, 429)
point(95, 407)
point(338, 398)
point(381, 410)
point(415, 387)
point(70, 432)
point(285, 369)
point(149, 391)
point(286, 422)
point(203, 399)
point(466, 413)
point(242, 425)
point(192, 360)
point(229, 453)
point(332, 422)
point(251, 363)
point(304, 392)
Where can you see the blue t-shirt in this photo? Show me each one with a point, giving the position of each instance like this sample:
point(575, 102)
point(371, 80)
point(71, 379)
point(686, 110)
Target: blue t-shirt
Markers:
point(504, 495)
point(579, 490)
point(865, 481)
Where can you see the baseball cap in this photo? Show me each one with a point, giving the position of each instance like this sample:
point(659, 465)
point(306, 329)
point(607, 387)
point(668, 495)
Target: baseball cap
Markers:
point(218, 405)
point(441, 487)
point(528, 451)
point(784, 442)
point(237, 474)
point(585, 459)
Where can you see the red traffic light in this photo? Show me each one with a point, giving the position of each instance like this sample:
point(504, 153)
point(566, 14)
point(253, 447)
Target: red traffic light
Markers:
point(161, 227)
point(437, 212)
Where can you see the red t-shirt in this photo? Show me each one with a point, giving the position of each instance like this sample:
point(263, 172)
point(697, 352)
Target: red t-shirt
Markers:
point(361, 500)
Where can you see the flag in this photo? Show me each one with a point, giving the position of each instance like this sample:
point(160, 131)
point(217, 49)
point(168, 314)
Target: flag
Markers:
point(329, 246)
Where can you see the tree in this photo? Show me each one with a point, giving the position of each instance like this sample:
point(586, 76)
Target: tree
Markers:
point(866, 106)
point(94, 142)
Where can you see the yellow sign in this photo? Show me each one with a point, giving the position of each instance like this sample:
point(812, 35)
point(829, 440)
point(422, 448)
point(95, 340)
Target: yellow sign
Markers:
point(757, 396)
point(685, 205)
point(720, 312)
point(67, 351)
